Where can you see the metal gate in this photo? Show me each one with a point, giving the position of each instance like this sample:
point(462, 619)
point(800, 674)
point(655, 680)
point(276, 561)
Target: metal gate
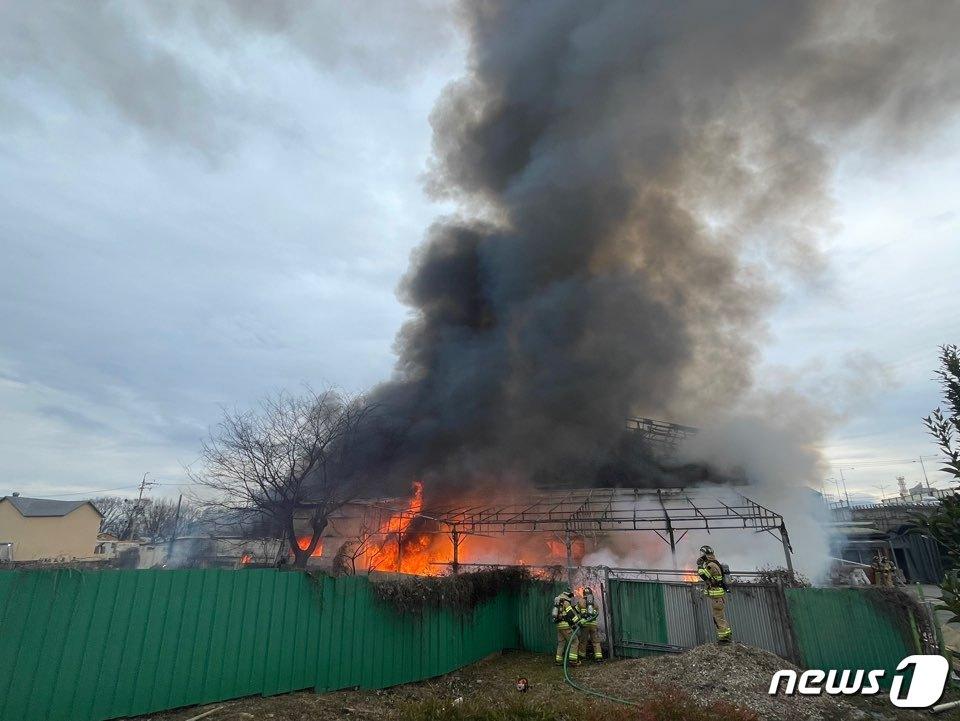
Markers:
point(657, 617)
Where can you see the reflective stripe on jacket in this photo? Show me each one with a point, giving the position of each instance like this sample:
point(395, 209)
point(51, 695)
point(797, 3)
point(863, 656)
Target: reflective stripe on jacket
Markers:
point(568, 615)
point(711, 572)
point(588, 614)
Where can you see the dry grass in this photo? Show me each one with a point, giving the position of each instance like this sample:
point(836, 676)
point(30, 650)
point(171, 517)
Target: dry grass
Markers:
point(693, 687)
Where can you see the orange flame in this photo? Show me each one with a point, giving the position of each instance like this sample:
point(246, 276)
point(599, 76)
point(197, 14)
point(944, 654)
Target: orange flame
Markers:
point(557, 549)
point(400, 549)
point(304, 543)
point(406, 542)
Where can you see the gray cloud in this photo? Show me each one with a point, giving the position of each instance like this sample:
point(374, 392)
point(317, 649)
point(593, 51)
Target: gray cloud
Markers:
point(72, 418)
point(140, 288)
point(180, 73)
point(377, 40)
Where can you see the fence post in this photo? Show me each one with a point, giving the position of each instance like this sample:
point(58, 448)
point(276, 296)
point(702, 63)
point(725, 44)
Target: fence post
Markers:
point(568, 542)
point(786, 620)
point(786, 548)
point(695, 601)
point(606, 597)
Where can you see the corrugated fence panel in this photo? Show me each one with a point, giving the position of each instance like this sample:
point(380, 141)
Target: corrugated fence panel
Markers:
point(367, 644)
point(96, 645)
point(757, 614)
point(687, 623)
point(93, 645)
point(639, 617)
point(537, 632)
point(839, 628)
point(758, 617)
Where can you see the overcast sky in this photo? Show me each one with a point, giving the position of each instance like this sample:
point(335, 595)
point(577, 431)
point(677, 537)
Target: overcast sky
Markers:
point(203, 203)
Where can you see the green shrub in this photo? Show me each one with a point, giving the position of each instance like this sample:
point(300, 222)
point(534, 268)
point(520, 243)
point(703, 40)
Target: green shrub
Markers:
point(461, 592)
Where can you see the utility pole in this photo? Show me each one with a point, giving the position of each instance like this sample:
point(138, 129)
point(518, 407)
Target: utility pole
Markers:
point(176, 527)
point(883, 490)
point(836, 484)
point(138, 507)
point(926, 480)
point(844, 481)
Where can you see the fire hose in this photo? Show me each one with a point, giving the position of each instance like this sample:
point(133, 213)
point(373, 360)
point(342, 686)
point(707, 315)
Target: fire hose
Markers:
point(584, 689)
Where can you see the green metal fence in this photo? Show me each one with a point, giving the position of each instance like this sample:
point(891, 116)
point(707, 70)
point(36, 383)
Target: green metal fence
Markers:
point(102, 644)
point(824, 628)
point(847, 628)
point(639, 617)
point(362, 643)
point(94, 645)
point(537, 632)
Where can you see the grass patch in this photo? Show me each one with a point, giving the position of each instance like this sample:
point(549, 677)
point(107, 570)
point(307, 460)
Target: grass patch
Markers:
point(671, 704)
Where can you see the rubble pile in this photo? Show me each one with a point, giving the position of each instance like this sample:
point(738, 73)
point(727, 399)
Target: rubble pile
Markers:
point(733, 673)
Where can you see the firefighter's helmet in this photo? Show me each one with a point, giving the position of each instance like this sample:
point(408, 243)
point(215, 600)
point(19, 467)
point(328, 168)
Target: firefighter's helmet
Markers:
point(706, 550)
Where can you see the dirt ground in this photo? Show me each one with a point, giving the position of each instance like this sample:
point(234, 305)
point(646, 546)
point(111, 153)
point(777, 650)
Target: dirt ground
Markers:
point(737, 677)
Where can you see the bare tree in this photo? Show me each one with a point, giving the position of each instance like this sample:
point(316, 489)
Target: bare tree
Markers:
point(362, 544)
point(294, 460)
point(160, 517)
point(116, 513)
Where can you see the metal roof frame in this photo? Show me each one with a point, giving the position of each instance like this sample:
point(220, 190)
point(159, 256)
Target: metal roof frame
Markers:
point(668, 512)
point(661, 434)
point(612, 509)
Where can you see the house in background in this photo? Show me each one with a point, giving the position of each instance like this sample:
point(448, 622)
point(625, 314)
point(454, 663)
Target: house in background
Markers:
point(37, 529)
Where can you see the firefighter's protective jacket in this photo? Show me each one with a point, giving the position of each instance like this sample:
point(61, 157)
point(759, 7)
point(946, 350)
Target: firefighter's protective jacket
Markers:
point(711, 572)
point(567, 615)
point(588, 613)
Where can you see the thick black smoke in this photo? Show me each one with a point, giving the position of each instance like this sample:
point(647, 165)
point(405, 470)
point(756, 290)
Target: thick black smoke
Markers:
point(635, 178)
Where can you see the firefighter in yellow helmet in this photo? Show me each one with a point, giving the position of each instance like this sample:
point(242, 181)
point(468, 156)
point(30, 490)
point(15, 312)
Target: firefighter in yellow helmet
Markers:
point(588, 636)
point(710, 572)
point(564, 615)
point(884, 571)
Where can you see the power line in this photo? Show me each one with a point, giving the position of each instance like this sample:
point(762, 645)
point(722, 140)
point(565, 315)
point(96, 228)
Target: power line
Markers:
point(879, 463)
point(85, 493)
point(107, 490)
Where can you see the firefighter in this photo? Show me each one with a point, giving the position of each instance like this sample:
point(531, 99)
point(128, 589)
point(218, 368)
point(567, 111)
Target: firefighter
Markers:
point(564, 615)
point(891, 568)
point(589, 636)
point(711, 572)
point(878, 572)
point(884, 572)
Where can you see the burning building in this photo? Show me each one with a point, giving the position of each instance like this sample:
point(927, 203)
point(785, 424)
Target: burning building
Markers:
point(557, 528)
